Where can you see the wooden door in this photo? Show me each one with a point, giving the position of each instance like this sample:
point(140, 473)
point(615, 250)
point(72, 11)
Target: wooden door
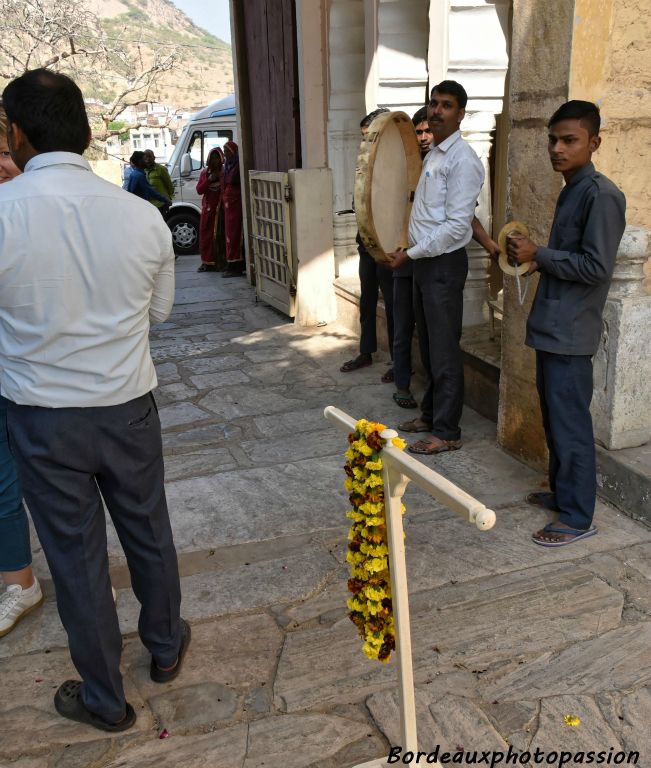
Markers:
point(272, 74)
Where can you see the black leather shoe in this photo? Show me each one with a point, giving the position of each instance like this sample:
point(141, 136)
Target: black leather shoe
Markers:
point(159, 675)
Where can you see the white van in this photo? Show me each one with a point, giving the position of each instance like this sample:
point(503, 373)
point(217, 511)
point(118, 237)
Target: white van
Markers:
point(211, 127)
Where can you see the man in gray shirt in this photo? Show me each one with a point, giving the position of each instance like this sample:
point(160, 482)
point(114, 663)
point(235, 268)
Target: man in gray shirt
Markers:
point(564, 325)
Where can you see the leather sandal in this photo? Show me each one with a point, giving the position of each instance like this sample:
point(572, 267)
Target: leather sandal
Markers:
point(436, 445)
point(415, 425)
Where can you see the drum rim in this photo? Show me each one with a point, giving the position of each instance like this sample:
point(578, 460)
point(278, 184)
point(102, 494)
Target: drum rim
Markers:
point(507, 268)
point(362, 192)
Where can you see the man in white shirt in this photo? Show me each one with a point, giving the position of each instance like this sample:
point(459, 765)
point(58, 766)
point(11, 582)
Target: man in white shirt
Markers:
point(84, 268)
point(439, 229)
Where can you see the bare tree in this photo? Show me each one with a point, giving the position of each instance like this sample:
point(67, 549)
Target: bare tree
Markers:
point(66, 35)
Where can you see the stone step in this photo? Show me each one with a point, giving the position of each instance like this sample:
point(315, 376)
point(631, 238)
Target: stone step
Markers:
point(624, 480)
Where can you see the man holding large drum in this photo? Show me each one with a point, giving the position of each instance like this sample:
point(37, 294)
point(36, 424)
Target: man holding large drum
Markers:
point(440, 227)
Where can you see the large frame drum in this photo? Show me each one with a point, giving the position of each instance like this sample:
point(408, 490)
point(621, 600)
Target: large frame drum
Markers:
point(388, 168)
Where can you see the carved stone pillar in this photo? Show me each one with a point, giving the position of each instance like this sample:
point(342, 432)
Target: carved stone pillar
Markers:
point(345, 245)
point(622, 365)
point(477, 130)
point(346, 107)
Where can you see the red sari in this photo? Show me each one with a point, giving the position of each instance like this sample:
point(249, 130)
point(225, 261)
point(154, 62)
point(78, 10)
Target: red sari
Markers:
point(211, 224)
point(232, 198)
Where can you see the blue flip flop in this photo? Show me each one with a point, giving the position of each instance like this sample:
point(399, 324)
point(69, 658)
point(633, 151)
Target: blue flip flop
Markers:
point(576, 534)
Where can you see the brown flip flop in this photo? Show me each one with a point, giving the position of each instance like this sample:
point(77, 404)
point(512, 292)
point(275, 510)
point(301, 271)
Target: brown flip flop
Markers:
point(414, 425)
point(430, 447)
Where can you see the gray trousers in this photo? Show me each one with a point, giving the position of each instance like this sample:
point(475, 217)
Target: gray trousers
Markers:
point(68, 460)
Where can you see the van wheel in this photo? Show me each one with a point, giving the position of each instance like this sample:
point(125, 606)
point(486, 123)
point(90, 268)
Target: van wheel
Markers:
point(185, 232)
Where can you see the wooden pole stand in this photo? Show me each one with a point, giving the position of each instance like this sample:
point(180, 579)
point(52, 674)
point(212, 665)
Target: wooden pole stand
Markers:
point(398, 469)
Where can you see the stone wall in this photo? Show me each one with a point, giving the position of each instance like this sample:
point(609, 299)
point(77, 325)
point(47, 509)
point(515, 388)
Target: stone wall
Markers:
point(611, 65)
point(539, 74)
point(599, 50)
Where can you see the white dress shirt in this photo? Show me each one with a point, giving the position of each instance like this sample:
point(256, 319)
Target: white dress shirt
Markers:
point(445, 199)
point(84, 268)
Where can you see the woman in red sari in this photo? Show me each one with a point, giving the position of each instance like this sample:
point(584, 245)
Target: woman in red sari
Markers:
point(232, 197)
point(212, 242)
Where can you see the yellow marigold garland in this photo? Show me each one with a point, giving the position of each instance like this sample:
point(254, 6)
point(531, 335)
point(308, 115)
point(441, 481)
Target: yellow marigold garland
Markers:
point(368, 553)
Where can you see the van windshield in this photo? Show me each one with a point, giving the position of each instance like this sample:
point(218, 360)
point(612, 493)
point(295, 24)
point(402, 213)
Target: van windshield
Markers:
point(174, 159)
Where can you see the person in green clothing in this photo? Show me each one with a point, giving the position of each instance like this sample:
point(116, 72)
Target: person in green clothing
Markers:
point(158, 176)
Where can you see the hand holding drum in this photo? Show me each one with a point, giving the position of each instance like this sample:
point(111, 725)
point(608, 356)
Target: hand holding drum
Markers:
point(513, 230)
point(387, 173)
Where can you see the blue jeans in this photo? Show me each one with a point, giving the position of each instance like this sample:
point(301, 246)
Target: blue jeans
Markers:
point(15, 549)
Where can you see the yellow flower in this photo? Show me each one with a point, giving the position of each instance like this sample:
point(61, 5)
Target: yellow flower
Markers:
point(399, 443)
point(374, 564)
point(373, 533)
point(572, 720)
point(371, 651)
point(374, 550)
point(355, 558)
point(368, 508)
point(362, 447)
point(375, 593)
point(374, 465)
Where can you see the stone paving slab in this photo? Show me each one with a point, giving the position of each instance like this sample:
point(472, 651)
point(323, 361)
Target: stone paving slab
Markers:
point(217, 379)
point(553, 735)
point(461, 625)
point(628, 715)
point(298, 741)
point(240, 653)
point(164, 350)
point(208, 434)
point(246, 588)
point(29, 720)
point(213, 363)
point(226, 747)
point(291, 422)
point(196, 463)
point(253, 401)
point(256, 504)
point(614, 661)
point(180, 414)
point(450, 723)
point(171, 393)
point(281, 450)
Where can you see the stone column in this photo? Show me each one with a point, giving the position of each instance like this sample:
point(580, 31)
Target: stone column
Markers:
point(538, 84)
point(622, 365)
point(477, 130)
point(345, 109)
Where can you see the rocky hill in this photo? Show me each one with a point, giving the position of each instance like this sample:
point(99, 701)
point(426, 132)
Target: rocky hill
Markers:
point(205, 70)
